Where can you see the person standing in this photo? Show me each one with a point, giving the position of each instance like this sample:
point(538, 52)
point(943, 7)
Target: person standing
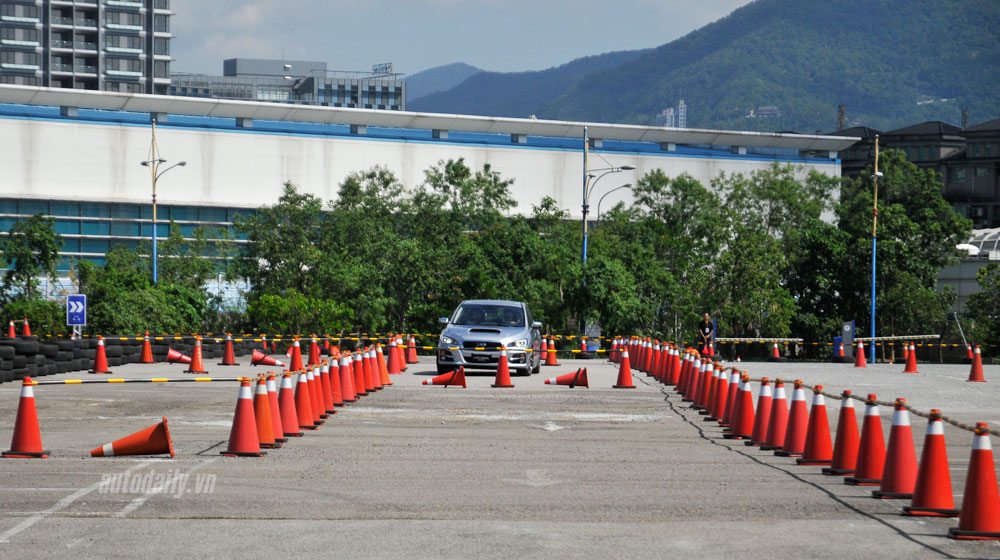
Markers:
point(706, 330)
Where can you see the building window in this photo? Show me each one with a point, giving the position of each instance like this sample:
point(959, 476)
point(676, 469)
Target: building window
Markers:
point(161, 69)
point(960, 175)
point(161, 23)
point(19, 11)
point(980, 172)
point(161, 46)
point(975, 149)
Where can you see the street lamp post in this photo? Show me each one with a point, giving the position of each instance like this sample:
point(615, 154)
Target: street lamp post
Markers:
point(600, 200)
point(154, 164)
point(875, 177)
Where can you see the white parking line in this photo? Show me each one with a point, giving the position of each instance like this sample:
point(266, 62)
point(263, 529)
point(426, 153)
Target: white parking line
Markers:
point(158, 489)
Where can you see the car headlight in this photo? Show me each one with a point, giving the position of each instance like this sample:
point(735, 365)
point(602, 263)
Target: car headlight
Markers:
point(523, 343)
point(447, 341)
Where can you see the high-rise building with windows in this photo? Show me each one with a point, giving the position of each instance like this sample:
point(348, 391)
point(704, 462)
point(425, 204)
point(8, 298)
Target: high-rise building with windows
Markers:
point(109, 45)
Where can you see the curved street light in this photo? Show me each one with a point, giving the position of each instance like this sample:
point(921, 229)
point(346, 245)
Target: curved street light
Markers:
point(155, 174)
point(600, 200)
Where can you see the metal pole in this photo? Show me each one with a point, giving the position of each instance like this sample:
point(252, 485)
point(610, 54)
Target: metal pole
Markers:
point(153, 167)
point(586, 180)
point(874, 245)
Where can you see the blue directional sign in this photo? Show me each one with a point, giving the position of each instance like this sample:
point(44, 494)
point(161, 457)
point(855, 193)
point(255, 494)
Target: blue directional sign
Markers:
point(76, 310)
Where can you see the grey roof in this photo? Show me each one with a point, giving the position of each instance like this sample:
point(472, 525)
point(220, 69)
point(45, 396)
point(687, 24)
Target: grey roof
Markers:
point(929, 127)
point(144, 103)
point(863, 131)
point(986, 126)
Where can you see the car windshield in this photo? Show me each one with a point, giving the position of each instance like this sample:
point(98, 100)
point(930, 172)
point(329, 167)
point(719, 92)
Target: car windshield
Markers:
point(489, 315)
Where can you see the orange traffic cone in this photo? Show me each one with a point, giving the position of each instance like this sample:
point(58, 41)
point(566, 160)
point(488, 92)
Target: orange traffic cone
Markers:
point(383, 370)
point(393, 366)
point(315, 397)
point(147, 351)
point(845, 447)
point(258, 358)
point(818, 449)
point(26, 331)
point(401, 352)
point(358, 370)
point(277, 427)
point(976, 372)
point(899, 475)
point(577, 378)
point(286, 402)
point(154, 440)
point(347, 380)
point(313, 352)
point(101, 358)
point(454, 377)
point(717, 411)
point(336, 393)
point(371, 382)
point(743, 416)
point(27, 440)
point(197, 360)
point(11, 333)
point(911, 360)
point(798, 424)
point(732, 391)
point(612, 355)
point(303, 404)
point(675, 374)
point(932, 495)
point(871, 448)
point(243, 440)
point(776, 354)
point(502, 380)
point(262, 416)
point(624, 373)
point(551, 358)
point(764, 397)
point(859, 356)
point(968, 353)
point(175, 357)
point(411, 351)
point(326, 388)
point(296, 357)
point(980, 516)
point(228, 356)
point(777, 424)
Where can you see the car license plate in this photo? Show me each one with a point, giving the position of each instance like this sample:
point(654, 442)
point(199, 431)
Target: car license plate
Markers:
point(481, 358)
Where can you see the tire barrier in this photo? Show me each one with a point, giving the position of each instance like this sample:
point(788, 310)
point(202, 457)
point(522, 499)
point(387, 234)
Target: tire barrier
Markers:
point(862, 461)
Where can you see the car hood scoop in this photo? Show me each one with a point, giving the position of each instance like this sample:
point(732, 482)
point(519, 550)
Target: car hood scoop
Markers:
point(491, 331)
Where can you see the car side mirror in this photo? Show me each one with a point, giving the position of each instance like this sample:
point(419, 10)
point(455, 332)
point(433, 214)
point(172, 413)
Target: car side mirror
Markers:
point(536, 324)
point(443, 320)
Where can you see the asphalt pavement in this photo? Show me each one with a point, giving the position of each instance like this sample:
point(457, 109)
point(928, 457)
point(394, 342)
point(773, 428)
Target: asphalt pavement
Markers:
point(414, 471)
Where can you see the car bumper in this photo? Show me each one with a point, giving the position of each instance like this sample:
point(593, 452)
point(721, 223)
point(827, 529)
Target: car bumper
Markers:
point(517, 358)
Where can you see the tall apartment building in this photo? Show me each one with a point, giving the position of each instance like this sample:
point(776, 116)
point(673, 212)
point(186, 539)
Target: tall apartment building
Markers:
point(110, 45)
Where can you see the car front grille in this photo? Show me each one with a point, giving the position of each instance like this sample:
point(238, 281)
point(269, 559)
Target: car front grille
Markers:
point(483, 346)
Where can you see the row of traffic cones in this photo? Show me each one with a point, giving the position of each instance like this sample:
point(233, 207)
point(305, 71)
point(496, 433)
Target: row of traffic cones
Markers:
point(25, 329)
point(865, 460)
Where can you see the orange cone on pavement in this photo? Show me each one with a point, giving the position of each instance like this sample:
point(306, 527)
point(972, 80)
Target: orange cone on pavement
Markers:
point(296, 357)
point(326, 388)
point(307, 418)
point(175, 357)
point(871, 448)
point(315, 396)
point(197, 361)
point(455, 377)
point(411, 351)
point(228, 356)
point(286, 402)
point(27, 440)
point(551, 358)
point(732, 391)
point(743, 417)
point(717, 411)
point(393, 366)
point(358, 369)
point(859, 356)
point(347, 380)
point(262, 416)
point(147, 351)
point(277, 428)
point(845, 447)
point(777, 424)
point(577, 378)
point(899, 475)
point(383, 369)
point(314, 353)
point(798, 424)
point(776, 354)
point(154, 440)
point(612, 355)
point(100, 358)
point(976, 371)
point(624, 374)
point(764, 397)
point(932, 495)
point(502, 380)
point(366, 364)
point(258, 358)
point(401, 352)
point(243, 441)
point(911, 360)
point(336, 392)
point(818, 449)
point(980, 516)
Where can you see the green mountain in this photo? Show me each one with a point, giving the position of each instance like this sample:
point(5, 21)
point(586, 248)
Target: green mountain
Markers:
point(439, 78)
point(890, 62)
point(516, 94)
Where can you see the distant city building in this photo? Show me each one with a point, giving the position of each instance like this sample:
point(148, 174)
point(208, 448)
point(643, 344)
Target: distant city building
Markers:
point(682, 114)
point(297, 82)
point(111, 45)
point(667, 118)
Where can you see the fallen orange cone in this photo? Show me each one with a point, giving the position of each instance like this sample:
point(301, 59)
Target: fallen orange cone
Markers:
point(154, 440)
point(175, 357)
point(258, 358)
point(577, 378)
point(455, 377)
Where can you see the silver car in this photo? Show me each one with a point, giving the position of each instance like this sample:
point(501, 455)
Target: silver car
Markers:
point(477, 330)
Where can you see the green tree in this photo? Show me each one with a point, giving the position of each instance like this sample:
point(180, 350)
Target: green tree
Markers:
point(984, 308)
point(29, 250)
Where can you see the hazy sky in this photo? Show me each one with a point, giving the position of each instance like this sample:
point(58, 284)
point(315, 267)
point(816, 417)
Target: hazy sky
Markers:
point(499, 35)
